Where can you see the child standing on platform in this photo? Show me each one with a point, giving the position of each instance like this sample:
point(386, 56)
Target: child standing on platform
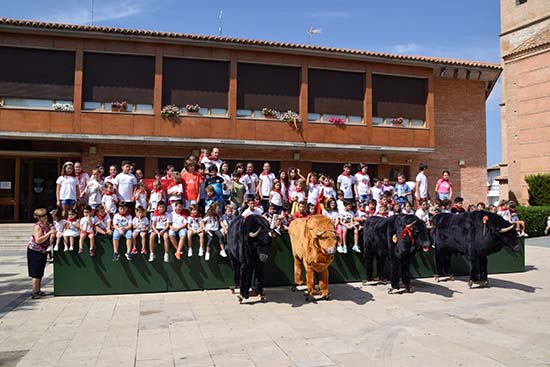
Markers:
point(109, 199)
point(157, 195)
point(174, 191)
point(276, 197)
point(140, 196)
point(265, 184)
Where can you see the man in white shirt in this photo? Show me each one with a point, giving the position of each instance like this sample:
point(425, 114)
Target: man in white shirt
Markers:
point(250, 181)
point(345, 182)
point(125, 184)
point(421, 191)
point(213, 159)
point(362, 183)
point(265, 184)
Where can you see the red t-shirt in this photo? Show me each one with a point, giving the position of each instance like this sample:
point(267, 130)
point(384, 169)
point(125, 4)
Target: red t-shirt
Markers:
point(192, 182)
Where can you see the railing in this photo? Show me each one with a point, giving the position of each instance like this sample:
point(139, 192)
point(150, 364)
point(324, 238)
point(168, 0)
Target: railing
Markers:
point(37, 103)
point(387, 121)
point(106, 107)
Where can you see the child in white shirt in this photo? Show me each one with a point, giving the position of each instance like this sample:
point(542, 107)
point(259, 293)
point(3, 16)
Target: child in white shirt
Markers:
point(87, 229)
point(347, 224)
point(194, 229)
point(160, 224)
point(72, 229)
point(109, 199)
point(140, 225)
point(178, 228)
point(122, 225)
point(59, 226)
point(211, 226)
point(103, 222)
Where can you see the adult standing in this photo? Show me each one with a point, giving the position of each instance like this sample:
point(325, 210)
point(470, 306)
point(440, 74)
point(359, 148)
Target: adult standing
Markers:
point(125, 184)
point(421, 187)
point(83, 179)
point(67, 190)
point(250, 180)
point(224, 173)
point(191, 183)
point(212, 159)
point(444, 187)
point(362, 183)
point(112, 175)
point(345, 182)
point(36, 251)
point(265, 184)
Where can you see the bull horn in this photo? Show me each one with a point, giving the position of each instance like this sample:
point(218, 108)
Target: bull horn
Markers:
point(319, 234)
point(271, 234)
point(255, 234)
point(507, 229)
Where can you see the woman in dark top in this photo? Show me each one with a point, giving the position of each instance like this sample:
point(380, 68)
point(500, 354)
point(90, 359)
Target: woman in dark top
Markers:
point(36, 250)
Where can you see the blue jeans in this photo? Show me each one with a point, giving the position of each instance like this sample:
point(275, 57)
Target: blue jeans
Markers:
point(181, 233)
point(117, 235)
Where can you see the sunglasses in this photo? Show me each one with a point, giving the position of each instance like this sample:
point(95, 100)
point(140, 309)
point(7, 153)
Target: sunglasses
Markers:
point(42, 216)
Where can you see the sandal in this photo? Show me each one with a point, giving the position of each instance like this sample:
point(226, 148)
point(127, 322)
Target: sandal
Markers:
point(35, 295)
point(41, 294)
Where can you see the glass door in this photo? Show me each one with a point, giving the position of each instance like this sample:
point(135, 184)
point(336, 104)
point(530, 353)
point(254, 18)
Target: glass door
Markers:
point(9, 189)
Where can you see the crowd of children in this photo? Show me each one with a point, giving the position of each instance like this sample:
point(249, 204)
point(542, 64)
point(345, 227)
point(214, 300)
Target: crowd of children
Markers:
point(203, 199)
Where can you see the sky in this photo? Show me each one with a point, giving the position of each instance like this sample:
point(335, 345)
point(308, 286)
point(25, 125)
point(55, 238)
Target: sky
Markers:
point(466, 29)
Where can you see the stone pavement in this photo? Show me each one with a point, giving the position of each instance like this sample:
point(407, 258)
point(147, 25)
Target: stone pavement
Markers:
point(444, 324)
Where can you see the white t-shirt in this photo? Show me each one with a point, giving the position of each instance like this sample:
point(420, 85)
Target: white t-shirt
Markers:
point(347, 216)
point(363, 183)
point(423, 187)
point(333, 215)
point(266, 183)
point(103, 222)
point(93, 189)
point(250, 182)
point(227, 181)
point(208, 162)
point(154, 198)
point(211, 223)
point(109, 203)
point(328, 192)
point(67, 191)
point(248, 212)
point(313, 193)
point(125, 183)
point(141, 199)
point(376, 193)
point(140, 223)
point(346, 185)
point(59, 226)
point(175, 192)
point(422, 215)
point(161, 220)
point(122, 220)
point(276, 198)
point(88, 224)
point(194, 223)
point(178, 220)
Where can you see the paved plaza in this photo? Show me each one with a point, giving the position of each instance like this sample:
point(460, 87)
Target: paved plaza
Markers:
point(443, 324)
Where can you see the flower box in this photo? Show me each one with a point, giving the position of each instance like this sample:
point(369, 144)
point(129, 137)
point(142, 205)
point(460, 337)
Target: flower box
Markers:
point(63, 107)
point(119, 106)
point(398, 121)
point(193, 108)
point(292, 118)
point(170, 111)
point(269, 112)
point(337, 121)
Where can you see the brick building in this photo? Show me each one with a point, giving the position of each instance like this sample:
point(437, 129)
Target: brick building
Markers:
point(525, 51)
point(441, 100)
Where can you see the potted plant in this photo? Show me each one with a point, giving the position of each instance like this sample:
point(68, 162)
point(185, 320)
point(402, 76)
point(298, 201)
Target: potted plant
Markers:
point(292, 118)
point(193, 108)
point(63, 107)
point(119, 106)
point(397, 121)
point(337, 121)
point(170, 112)
point(269, 112)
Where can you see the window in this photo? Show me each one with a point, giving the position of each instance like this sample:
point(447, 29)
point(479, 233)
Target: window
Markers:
point(335, 95)
point(36, 78)
point(396, 96)
point(109, 78)
point(267, 86)
point(201, 82)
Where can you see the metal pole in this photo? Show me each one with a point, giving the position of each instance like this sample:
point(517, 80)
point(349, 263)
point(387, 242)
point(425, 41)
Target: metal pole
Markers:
point(92, 12)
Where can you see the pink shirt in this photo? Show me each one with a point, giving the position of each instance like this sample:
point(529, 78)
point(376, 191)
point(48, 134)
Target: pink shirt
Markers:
point(443, 186)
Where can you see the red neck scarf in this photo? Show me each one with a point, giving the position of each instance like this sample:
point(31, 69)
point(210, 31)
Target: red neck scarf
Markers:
point(78, 175)
point(345, 174)
point(72, 220)
point(277, 190)
point(156, 191)
point(156, 213)
point(101, 217)
point(265, 173)
point(194, 216)
point(407, 232)
point(108, 193)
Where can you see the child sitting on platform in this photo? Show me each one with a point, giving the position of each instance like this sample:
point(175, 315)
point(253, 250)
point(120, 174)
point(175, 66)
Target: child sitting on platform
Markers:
point(178, 229)
point(140, 225)
point(87, 229)
point(160, 223)
point(103, 222)
point(211, 226)
point(59, 226)
point(72, 230)
point(194, 229)
point(122, 224)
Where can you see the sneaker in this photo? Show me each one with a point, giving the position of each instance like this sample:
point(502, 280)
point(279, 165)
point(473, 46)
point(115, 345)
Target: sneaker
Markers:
point(65, 249)
point(345, 249)
point(223, 253)
point(128, 256)
point(177, 254)
point(49, 248)
point(207, 256)
point(190, 252)
point(92, 252)
point(151, 257)
point(356, 248)
point(80, 250)
point(71, 248)
point(166, 258)
point(116, 256)
point(143, 251)
point(201, 252)
point(56, 248)
point(339, 249)
point(134, 251)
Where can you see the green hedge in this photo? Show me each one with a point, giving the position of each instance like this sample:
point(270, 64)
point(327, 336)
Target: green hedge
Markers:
point(539, 189)
point(535, 219)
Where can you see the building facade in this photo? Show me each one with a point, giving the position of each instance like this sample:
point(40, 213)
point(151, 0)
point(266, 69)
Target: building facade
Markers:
point(44, 66)
point(525, 51)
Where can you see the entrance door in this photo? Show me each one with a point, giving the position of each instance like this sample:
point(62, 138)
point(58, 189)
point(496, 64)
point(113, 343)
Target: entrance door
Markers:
point(38, 185)
point(9, 189)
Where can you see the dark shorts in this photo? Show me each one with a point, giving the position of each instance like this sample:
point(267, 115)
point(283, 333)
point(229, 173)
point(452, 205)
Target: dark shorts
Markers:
point(36, 262)
point(67, 202)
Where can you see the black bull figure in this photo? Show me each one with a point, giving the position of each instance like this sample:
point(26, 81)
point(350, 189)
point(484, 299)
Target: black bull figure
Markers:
point(475, 235)
point(248, 246)
point(398, 237)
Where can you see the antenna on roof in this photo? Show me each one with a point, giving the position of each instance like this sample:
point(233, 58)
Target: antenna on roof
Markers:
point(220, 20)
point(92, 12)
point(311, 32)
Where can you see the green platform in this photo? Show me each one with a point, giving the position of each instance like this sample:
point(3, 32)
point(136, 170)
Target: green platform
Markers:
point(82, 275)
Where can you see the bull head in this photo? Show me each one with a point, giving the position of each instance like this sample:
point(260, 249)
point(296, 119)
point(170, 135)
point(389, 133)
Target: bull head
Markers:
point(507, 229)
point(254, 234)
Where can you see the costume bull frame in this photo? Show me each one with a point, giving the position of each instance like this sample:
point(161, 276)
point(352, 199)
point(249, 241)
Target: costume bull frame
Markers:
point(314, 242)
point(473, 234)
point(249, 246)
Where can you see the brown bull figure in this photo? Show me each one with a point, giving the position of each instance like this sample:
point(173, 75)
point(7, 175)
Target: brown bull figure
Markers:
point(313, 245)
